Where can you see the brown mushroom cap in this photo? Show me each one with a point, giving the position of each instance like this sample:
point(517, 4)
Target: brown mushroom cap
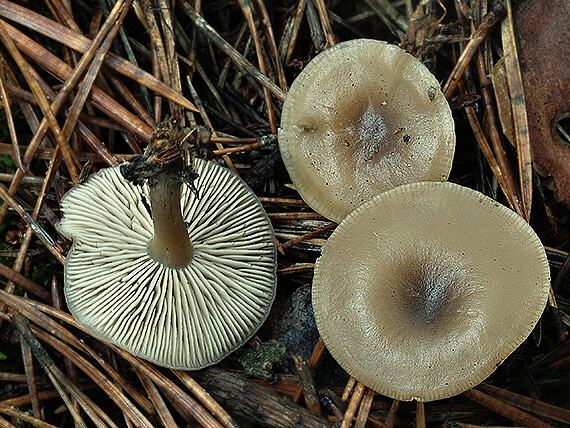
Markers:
point(187, 317)
point(361, 118)
point(422, 292)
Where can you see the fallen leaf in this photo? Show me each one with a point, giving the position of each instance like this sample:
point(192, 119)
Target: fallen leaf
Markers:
point(543, 32)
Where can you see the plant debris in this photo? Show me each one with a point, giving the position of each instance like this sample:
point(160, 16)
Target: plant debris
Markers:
point(86, 83)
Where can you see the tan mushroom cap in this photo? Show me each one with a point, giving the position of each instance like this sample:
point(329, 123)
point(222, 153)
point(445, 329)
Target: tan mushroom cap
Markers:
point(422, 292)
point(184, 318)
point(361, 118)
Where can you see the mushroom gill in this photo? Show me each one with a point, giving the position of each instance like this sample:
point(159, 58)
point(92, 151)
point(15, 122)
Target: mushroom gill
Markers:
point(178, 315)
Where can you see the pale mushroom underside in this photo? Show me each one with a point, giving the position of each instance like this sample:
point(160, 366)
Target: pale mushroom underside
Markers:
point(180, 318)
point(422, 292)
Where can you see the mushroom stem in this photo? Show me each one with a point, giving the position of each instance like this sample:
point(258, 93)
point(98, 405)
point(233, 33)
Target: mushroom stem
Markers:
point(170, 244)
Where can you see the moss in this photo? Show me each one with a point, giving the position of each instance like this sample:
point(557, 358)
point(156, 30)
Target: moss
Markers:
point(258, 362)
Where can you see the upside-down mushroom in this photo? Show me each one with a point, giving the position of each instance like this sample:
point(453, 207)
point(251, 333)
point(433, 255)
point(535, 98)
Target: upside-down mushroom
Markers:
point(361, 118)
point(182, 288)
point(423, 291)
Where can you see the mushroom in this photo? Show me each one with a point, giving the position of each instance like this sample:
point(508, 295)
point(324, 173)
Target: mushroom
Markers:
point(181, 289)
point(423, 291)
point(361, 118)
